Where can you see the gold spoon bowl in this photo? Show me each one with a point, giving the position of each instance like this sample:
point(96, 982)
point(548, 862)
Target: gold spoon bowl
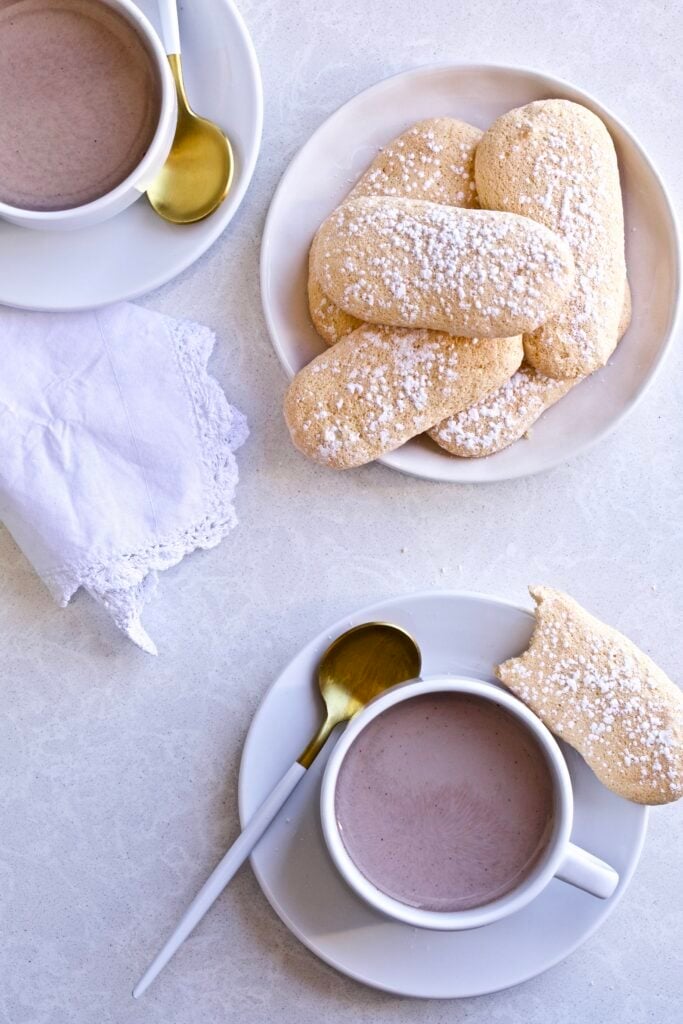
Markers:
point(359, 665)
point(198, 171)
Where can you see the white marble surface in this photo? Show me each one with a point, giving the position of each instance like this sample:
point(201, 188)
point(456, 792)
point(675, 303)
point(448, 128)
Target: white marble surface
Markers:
point(118, 772)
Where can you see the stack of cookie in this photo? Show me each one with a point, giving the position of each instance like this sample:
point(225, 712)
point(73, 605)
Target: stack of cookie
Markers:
point(467, 283)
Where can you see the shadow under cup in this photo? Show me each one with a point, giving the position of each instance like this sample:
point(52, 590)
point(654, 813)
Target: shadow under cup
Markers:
point(447, 804)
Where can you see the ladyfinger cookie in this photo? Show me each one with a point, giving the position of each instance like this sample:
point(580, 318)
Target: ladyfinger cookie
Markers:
point(505, 415)
point(554, 161)
point(331, 322)
point(604, 696)
point(432, 160)
point(379, 387)
point(502, 417)
point(470, 273)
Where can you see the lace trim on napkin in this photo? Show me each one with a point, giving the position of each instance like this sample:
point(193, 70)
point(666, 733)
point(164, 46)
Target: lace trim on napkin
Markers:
point(124, 584)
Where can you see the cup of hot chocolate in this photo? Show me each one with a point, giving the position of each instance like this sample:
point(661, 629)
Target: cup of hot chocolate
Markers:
point(447, 804)
point(87, 110)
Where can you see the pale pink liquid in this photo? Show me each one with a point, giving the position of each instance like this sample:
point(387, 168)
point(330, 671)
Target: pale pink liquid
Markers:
point(79, 102)
point(445, 802)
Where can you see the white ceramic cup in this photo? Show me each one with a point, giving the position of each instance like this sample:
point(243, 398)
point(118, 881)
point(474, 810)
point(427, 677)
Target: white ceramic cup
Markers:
point(137, 182)
point(561, 859)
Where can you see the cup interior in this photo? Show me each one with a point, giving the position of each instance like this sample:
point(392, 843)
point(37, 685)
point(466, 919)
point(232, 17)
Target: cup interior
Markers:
point(147, 164)
point(531, 882)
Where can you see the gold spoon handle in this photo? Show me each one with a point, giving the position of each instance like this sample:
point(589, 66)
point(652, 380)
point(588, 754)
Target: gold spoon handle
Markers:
point(315, 746)
point(235, 856)
point(177, 72)
point(222, 873)
point(170, 29)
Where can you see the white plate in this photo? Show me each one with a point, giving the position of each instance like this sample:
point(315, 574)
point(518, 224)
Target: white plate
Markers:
point(137, 251)
point(460, 634)
point(320, 176)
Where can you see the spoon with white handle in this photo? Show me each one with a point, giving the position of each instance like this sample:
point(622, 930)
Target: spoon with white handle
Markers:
point(359, 665)
point(198, 171)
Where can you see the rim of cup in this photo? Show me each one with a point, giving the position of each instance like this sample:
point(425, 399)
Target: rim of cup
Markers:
point(137, 179)
point(542, 872)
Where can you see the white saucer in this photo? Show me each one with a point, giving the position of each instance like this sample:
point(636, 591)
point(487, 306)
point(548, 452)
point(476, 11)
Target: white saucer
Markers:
point(321, 175)
point(136, 252)
point(460, 634)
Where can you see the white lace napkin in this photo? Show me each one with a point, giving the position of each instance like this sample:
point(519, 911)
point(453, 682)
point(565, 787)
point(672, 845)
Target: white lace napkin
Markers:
point(116, 451)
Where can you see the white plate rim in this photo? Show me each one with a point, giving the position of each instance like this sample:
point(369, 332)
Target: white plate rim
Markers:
point(540, 76)
point(219, 221)
point(368, 613)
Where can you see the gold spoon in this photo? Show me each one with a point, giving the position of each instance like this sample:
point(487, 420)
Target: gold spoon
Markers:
point(198, 171)
point(357, 666)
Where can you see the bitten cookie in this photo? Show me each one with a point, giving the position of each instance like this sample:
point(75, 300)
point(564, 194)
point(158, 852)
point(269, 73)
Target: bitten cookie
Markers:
point(554, 161)
point(470, 273)
point(506, 414)
point(604, 696)
point(432, 160)
point(379, 387)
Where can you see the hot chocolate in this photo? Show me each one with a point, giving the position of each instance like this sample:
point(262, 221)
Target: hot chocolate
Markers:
point(445, 802)
point(80, 100)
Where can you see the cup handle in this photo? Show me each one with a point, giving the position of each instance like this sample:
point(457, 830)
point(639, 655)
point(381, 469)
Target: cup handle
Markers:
point(587, 872)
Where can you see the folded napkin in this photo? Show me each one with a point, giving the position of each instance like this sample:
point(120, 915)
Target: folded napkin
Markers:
point(116, 451)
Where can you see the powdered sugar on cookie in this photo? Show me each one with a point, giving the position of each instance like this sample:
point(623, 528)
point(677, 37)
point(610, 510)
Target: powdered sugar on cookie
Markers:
point(502, 417)
point(506, 415)
point(604, 696)
point(473, 273)
point(554, 161)
point(433, 160)
point(379, 387)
